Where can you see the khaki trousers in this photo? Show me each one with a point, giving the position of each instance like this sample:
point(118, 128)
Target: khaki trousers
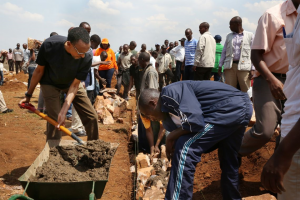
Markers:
point(291, 180)
point(81, 103)
point(234, 76)
point(267, 113)
point(77, 125)
point(2, 103)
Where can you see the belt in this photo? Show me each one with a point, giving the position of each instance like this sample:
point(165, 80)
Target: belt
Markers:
point(279, 75)
point(236, 61)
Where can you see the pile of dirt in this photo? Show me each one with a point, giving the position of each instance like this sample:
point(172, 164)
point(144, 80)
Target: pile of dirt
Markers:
point(77, 163)
point(14, 86)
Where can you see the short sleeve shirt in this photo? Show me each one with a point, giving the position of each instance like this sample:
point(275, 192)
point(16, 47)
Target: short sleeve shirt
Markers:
point(60, 67)
point(124, 61)
point(137, 74)
point(269, 35)
point(163, 62)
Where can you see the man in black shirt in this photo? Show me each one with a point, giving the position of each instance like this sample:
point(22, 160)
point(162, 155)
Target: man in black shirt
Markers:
point(136, 75)
point(62, 64)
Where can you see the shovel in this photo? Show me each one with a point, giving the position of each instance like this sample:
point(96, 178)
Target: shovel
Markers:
point(51, 121)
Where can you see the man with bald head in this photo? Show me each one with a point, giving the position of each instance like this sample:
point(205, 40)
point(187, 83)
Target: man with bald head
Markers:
point(123, 76)
point(205, 54)
point(143, 49)
point(236, 56)
point(151, 133)
point(190, 49)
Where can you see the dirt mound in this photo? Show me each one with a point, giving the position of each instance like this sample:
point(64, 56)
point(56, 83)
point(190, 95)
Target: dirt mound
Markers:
point(77, 163)
point(20, 77)
point(14, 86)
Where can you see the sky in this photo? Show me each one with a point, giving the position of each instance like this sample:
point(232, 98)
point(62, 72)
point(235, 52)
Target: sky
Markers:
point(121, 21)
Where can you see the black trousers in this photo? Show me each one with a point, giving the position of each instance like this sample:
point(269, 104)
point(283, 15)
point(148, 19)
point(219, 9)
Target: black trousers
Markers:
point(179, 72)
point(202, 73)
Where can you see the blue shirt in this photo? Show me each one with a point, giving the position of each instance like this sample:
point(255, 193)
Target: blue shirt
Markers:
point(190, 50)
point(200, 102)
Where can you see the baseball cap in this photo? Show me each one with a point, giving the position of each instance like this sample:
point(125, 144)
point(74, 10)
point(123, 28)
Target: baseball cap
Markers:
point(157, 44)
point(218, 37)
point(182, 40)
point(104, 41)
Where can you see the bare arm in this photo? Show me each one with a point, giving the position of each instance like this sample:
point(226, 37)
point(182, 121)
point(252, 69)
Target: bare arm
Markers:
point(69, 99)
point(100, 79)
point(36, 77)
point(280, 162)
point(275, 85)
point(161, 134)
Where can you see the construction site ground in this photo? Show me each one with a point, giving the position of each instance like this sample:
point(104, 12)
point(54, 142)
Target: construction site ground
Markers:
point(22, 138)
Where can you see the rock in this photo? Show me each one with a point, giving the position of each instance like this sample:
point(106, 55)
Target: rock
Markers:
point(159, 184)
point(121, 120)
point(109, 90)
point(99, 103)
point(110, 108)
point(153, 172)
point(116, 112)
point(207, 175)
point(132, 169)
point(261, 197)
point(140, 191)
point(107, 117)
point(154, 194)
point(143, 160)
point(106, 95)
point(163, 153)
point(144, 174)
point(107, 102)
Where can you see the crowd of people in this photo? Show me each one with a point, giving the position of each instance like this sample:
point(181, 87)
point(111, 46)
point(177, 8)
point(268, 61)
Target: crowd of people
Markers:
point(177, 104)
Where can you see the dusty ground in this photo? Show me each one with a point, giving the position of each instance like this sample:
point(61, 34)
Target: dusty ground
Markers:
point(22, 139)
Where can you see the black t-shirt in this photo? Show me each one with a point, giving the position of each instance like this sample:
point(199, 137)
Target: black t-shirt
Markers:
point(60, 67)
point(137, 74)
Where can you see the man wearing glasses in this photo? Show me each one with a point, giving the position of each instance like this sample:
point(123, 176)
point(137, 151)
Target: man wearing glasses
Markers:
point(63, 62)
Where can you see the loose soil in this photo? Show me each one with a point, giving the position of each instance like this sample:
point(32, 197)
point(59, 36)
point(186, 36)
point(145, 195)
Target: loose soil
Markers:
point(22, 139)
point(76, 163)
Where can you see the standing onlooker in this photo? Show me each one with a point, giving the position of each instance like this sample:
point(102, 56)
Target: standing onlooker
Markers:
point(151, 134)
point(3, 107)
point(166, 43)
point(269, 57)
point(107, 71)
point(190, 46)
point(173, 64)
point(136, 75)
point(236, 56)
point(3, 56)
point(163, 66)
point(25, 59)
point(153, 57)
point(179, 53)
point(119, 52)
point(10, 60)
point(157, 48)
point(18, 58)
point(219, 49)
point(143, 49)
point(205, 54)
point(132, 47)
point(281, 173)
point(32, 63)
point(123, 77)
point(175, 43)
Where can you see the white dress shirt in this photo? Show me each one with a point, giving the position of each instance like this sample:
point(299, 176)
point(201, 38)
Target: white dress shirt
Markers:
point(178, 52)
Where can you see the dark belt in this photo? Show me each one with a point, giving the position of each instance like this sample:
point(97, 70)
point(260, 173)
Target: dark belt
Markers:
point(236, 61)
point(279, 75)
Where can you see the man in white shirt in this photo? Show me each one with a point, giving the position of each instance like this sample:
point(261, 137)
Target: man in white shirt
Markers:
point(25, 58)
point(205, 54)
point(153, 58)
point(179, 53)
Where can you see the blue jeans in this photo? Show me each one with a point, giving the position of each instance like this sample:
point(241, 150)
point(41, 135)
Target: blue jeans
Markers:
point(188, 72)
point(107, 74)
point(30, 72)
point(188, 151)
point(1, 79)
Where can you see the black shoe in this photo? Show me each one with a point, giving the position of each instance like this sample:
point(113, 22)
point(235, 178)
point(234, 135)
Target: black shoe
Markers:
point(8, 111)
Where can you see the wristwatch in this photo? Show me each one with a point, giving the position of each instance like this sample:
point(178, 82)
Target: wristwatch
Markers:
point(28, 95)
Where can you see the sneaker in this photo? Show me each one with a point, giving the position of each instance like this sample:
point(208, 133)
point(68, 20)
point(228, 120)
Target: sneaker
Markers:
point(80, 133)
point(8, 111)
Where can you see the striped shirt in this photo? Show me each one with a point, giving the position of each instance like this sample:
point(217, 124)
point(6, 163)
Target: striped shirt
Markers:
point(190, 50)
